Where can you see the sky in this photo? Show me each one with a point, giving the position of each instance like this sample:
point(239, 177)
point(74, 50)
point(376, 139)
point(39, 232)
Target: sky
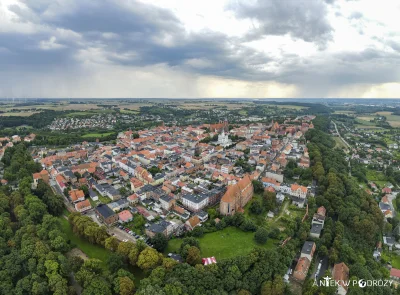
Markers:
point(199, 49)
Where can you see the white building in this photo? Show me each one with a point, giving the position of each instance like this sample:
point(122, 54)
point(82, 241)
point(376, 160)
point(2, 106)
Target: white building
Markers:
point(223, 140)
point(195, 202)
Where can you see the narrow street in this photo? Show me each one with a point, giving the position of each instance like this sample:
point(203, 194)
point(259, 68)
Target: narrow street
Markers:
point(345, 142)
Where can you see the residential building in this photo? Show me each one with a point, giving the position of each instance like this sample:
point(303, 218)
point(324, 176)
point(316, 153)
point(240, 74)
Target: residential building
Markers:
point(83, 206)
point(195, 202)
point(125, 216)
point(76, 195)
point(192, 222)
point(106, 214)
point(301, 269)
point(340, 274)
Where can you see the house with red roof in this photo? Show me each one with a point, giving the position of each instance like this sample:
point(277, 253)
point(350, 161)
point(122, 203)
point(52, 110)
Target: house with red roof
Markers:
point(42, 175)
point(387, 190)
point(76, 195)
point(125, 216)
point(192, 222)
point(298, 191)
point(83, 206)
point(340, 274)
point(395, 274)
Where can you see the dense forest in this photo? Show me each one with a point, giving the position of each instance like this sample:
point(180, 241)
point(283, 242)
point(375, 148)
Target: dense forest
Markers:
point(354, 223)
point(37, 121)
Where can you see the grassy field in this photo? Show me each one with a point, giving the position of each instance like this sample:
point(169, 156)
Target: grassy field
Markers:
point(97, 134)
point(344, 112)
point(393, 120)
point(339, 143)
point(93, 251)
point(191, 105)
point(18, 114)
point(226, 243)
point(368, 127)
point(364, 120)
point(81, 114)
point(384, 113)
point(393, 258)
point(291, 107)
point(134, 112)
point(378, 177)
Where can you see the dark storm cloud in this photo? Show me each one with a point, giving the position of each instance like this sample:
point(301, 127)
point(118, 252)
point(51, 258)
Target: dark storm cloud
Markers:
point(306, 20)
point(23, 51)
point(133, 34)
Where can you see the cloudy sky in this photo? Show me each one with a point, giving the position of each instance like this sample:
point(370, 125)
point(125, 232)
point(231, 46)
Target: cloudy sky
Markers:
point(207, 48)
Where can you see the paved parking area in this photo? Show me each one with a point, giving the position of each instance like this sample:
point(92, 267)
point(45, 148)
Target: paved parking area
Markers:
point(112, 230)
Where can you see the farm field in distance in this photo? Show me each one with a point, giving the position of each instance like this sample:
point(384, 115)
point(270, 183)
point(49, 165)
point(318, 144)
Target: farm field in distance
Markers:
point(96, 134)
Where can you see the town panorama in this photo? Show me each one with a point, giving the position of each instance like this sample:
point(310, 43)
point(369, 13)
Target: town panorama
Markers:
point(181, 147)
point(198, 196)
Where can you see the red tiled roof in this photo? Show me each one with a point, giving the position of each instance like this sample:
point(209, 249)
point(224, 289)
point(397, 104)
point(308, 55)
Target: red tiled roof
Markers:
point(341, 274)
point(394, 272)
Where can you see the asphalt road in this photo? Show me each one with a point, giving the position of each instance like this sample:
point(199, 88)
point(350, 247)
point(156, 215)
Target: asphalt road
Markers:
point(324, 266)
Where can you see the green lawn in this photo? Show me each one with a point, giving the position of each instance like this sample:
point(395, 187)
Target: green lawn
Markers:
point(93, 251)
point(339, 143)
point(378, 177)
point(104, 200)
point(81, 113)
point(393, 258)
point(87, 135)
point(226, 243)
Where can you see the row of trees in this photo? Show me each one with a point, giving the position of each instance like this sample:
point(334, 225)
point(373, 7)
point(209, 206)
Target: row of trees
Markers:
point(354, 224)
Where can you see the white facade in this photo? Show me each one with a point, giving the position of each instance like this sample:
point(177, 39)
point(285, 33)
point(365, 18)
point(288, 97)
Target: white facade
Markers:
point(223, 140)
point(194, 206)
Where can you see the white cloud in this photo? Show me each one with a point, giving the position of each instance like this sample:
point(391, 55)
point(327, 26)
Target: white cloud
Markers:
point(209, 48)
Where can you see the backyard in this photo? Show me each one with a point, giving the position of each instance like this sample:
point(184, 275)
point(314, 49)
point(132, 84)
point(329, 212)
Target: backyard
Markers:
point(226, 243)
point(377, 177)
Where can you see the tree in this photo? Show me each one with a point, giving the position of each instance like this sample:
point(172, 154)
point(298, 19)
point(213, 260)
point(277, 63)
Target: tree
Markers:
point(149, 258)
point(154, 170)
point(123, 191)
point(186, 243)
point(169, 263)
point(124, 248)
point(193, 255)
point(85, 189)
point(258, 186)
point(198, 231)
point(269, 201)
point(111, 243)
point(261, 235)
point(159, 242)
point(275, 232)
point(97, 286)
point(115, 261)
point(124, 286)
point(256, 207)
point(133, 255)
